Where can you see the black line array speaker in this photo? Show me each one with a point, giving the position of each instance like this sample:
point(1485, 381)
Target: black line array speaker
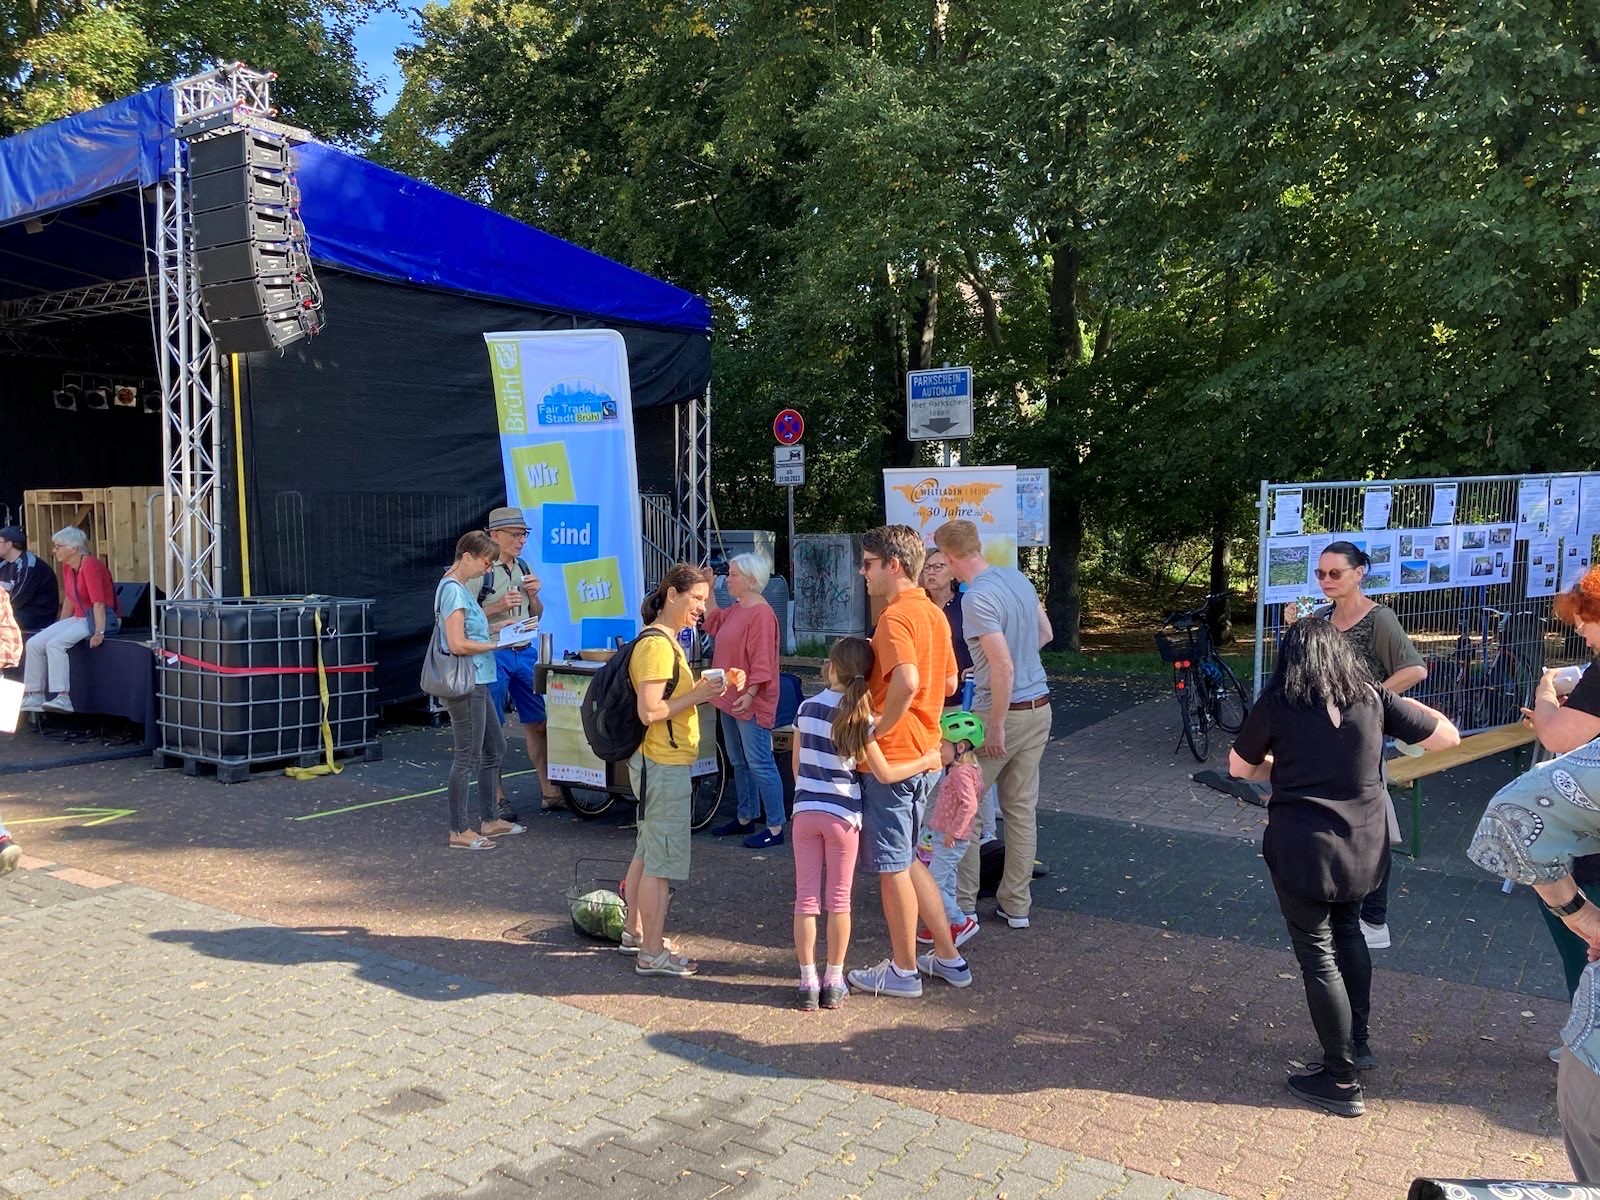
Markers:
point(256, 280)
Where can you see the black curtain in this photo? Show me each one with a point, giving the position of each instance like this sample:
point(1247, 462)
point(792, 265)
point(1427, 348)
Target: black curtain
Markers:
point(371, 448)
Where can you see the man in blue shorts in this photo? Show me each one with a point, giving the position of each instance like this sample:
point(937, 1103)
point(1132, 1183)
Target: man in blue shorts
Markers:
point(510, 593)
point(914, 669)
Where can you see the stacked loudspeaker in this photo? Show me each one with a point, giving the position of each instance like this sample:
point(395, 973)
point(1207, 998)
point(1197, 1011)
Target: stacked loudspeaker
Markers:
point(255, 271)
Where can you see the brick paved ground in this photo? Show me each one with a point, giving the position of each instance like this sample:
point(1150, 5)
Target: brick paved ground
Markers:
point(1147, 1020)
point(164, 1048)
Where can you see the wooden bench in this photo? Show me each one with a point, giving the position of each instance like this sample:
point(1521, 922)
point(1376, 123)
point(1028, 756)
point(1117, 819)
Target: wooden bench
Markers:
point(1409, 772)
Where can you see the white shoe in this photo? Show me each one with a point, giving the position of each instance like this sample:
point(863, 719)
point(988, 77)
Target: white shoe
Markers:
point(1377, 935)
point(61, 704)
point(33, 702)
point(1555, 1055)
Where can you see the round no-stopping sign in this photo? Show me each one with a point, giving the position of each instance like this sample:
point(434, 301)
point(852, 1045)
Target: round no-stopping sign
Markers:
point(788, 427)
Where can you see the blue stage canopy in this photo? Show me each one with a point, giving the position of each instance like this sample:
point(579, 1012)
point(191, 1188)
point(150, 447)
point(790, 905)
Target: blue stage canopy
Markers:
point(360, 217)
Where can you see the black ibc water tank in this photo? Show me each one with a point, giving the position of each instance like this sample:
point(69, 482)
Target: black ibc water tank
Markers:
point(239, 684)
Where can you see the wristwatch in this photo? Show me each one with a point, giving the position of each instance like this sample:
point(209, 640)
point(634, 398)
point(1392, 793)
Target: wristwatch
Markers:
point(1570, 907)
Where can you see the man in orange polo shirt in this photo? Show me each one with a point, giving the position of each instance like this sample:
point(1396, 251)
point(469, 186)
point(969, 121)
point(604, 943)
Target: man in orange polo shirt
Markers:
point(914, 669)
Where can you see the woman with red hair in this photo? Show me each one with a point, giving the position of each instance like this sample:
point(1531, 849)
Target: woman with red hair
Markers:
point(1563, 723)
point(1563, 727)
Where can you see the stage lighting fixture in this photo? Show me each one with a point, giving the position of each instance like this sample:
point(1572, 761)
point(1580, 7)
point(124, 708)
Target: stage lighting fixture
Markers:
point(152, 400)
point(33, 225)
point(67, 397)
point(125, 395)
point(97, 396)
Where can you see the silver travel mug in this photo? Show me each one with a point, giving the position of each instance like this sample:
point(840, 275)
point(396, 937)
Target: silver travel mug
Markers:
point(547, 647)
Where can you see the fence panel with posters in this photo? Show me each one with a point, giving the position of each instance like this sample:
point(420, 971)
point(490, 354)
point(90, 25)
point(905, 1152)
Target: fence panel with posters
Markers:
point(1469, 565)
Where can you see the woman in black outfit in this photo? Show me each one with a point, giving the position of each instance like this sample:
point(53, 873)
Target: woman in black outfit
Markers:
point(1317, 732)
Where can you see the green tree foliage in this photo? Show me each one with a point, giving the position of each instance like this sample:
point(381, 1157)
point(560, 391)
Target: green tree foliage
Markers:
point(59, 57)
point(1186, 245)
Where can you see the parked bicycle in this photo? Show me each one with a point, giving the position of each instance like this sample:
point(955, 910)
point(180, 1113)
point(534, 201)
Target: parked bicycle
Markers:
point(1490, 674)
point(1206, 689)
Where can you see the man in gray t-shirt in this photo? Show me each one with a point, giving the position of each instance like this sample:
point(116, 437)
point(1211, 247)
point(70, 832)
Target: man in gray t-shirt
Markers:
point(1004, 625)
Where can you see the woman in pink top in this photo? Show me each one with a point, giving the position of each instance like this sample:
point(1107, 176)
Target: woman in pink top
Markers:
point(747, 637)
point(88, 610)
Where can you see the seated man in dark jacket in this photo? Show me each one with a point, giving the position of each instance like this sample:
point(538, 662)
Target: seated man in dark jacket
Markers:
point(35, 600)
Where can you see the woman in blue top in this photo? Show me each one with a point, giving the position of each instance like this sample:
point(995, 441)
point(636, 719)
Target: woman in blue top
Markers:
point(480, 743)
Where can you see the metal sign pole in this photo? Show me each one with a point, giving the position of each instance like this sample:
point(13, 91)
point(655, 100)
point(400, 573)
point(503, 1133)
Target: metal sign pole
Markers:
point(790, 490)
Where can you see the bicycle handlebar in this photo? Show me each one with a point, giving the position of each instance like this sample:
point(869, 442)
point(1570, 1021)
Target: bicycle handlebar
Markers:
point(1193, 614)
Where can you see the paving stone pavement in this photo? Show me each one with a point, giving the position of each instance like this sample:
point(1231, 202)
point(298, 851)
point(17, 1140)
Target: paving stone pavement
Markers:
point(1146, 1020)
point(161, 1047)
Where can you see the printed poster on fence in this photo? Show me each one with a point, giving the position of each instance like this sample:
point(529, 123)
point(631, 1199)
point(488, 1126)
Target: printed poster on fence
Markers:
point(1290, 561)
point(566, 444)
point(926, 497)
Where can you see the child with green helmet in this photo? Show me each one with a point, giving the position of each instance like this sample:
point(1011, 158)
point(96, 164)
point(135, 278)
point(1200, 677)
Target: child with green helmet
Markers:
point(955, 810)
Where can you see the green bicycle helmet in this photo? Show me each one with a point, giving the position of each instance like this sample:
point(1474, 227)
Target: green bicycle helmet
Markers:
point(962, 727)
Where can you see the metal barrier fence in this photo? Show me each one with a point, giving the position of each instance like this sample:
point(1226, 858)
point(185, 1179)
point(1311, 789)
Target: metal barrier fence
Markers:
point(1469, 565)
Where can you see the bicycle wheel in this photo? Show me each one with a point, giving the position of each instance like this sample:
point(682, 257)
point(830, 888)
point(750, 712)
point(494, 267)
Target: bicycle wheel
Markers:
point(587, 802)
point(1232, 707)
point(706, 797)
point(1192, 711)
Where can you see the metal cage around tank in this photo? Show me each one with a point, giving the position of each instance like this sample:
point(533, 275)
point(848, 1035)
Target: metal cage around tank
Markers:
point(240, 682)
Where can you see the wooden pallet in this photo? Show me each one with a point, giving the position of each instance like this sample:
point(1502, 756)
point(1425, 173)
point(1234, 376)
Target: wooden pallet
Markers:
point(238, 772)
point(117, 521)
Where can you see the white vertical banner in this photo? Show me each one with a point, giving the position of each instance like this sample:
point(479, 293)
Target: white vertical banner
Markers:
point(566, 444)
point(926, 497)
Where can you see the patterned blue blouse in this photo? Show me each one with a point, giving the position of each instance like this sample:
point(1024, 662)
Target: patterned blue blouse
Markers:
point(1530, 833)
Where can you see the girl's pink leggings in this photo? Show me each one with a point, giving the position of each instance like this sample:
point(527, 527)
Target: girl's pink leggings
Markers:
point(822, 843)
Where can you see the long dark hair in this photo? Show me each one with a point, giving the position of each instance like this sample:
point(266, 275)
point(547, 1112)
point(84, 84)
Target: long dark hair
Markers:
point(680, 578)
point(851, 660)
point(1317, 667)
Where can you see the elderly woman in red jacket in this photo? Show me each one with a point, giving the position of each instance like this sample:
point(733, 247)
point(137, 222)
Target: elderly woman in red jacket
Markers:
point(88, 610)
point(746, 636)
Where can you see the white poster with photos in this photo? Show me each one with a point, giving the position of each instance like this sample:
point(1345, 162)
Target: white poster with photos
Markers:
point(1589, 506)
point(1422, 559)
point(1575, 558)
point(1289, 567)
point(1484, 554)
point(1286, 512)
point(1563, 507)
point(1533, 507)
point(1544, 566)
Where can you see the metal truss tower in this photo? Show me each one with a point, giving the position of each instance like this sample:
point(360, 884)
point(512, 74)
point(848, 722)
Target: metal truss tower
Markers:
point(694, 478)
point(191, 375)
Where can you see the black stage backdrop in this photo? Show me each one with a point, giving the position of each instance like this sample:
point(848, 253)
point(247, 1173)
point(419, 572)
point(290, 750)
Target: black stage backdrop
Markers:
point(42, 446)
point(372, 447)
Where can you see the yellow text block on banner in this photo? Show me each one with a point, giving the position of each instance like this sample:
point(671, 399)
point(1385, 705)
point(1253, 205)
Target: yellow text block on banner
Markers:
point(594, 589)
point(543, 474)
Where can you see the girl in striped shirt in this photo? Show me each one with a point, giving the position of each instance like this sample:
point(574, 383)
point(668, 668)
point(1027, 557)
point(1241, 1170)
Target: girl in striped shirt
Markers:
point(833, 740)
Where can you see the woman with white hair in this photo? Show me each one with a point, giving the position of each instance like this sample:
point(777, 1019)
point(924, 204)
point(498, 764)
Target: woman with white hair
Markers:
point(88, 610)
point(747, 637)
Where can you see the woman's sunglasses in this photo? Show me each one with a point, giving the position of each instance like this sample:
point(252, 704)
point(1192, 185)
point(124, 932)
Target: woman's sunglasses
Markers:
point(1336, 574)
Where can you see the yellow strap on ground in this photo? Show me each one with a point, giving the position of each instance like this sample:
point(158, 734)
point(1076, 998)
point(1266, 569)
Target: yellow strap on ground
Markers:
point(323, 768)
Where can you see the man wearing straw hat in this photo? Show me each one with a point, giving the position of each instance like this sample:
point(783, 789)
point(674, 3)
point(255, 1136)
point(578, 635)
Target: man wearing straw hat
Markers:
point(509, 593)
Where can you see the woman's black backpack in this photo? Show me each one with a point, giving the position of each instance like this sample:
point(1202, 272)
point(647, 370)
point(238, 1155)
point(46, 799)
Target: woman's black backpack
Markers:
point(610, 707)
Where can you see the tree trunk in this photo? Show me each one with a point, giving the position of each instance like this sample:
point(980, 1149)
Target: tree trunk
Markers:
point(1064, 603)
point(1065, 348)
point(1221, 556)
point(1064, 355)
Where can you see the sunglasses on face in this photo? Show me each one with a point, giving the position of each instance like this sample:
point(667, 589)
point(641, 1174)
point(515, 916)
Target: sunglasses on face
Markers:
point(868, 562)
point(1336, 574)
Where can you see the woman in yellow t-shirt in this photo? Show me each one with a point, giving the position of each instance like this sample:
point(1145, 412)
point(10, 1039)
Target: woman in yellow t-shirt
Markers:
point(660, 768)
